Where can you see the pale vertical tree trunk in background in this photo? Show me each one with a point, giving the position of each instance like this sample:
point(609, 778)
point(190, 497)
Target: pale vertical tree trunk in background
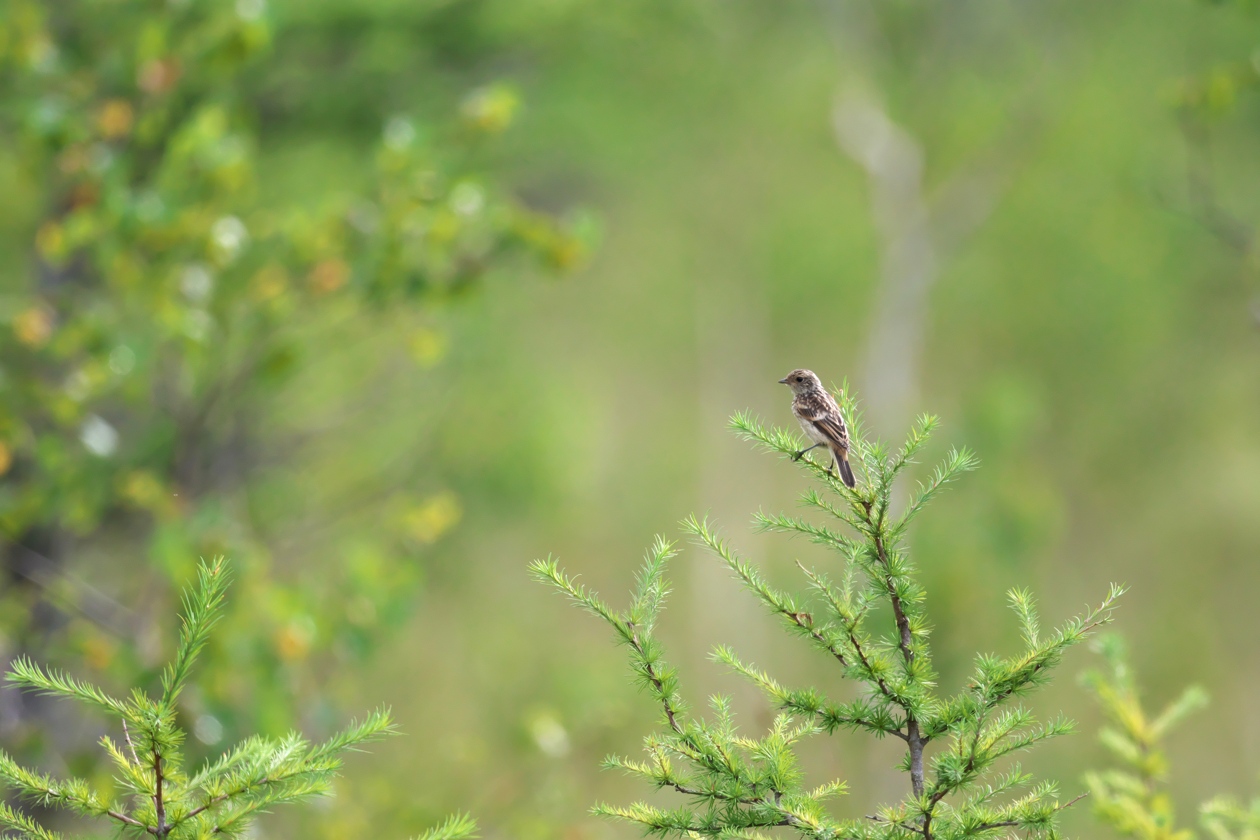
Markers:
point(917, 232)
point(893, 162)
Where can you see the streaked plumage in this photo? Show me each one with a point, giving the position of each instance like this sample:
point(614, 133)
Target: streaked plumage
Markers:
point(820, 418)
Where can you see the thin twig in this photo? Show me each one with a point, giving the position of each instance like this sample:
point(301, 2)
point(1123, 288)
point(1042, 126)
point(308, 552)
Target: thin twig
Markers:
point(135, 756)
point(223, 797)
point(897, 823)
point(123, 818)
point(1013, 823)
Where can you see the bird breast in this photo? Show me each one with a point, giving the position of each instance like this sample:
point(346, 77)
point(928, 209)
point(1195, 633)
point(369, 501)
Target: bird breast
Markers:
point(812, 431)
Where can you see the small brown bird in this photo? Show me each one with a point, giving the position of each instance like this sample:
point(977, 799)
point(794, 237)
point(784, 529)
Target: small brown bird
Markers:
point(820, 417)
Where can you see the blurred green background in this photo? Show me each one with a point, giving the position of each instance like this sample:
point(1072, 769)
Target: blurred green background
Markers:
point(1032, 219)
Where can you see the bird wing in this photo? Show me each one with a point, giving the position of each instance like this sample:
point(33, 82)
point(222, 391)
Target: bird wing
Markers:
point(826, 418)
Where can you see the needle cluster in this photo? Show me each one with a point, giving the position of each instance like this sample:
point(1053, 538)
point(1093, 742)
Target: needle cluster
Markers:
point(155, 793)
point(871, 624)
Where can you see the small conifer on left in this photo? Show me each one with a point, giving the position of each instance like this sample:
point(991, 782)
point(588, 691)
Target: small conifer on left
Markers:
point(157, 794)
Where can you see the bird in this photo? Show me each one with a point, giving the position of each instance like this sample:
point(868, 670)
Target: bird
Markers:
point(820, 417)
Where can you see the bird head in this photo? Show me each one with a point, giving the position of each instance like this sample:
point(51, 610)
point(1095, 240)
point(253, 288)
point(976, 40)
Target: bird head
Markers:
point(802, 381)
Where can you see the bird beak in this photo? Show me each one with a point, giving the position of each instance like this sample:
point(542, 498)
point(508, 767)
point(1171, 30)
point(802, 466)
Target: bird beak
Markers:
point(783, 381)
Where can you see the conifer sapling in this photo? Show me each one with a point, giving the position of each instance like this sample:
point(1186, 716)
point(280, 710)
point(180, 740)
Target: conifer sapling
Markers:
point(737, 786)
point(1133, 798)
point(157, 795)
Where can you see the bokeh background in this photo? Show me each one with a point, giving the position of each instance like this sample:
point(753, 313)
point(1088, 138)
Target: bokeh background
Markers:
point(385, 299)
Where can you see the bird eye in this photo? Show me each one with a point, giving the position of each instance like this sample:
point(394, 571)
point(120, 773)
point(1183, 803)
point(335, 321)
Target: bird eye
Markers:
point(798, 379)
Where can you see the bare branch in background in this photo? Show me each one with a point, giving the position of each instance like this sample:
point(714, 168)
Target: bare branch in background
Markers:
point(1205, 206)
point(68, 590)
point(918, 231)
point(1225, 225)
point(893, 161)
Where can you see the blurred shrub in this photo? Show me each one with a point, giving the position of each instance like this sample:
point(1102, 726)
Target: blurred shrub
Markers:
point(1206, 102)
point(1133, 799)
point(160, 305)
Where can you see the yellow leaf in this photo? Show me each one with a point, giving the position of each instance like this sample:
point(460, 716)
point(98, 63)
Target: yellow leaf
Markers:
point(428, 347)
point(491, 109)
point(115, 119)
point(269, 283)
point(293, 641)
point(33, 327)
point(329, 276)
point(428, 521)
point(50, 240)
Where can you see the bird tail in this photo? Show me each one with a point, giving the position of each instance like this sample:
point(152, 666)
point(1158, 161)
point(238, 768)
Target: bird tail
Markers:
point(846, 472)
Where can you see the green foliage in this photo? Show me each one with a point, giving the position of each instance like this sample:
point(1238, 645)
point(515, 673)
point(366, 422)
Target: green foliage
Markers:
point(161, 303)
point(1225, 819)
point(1217, 91)
point(155, 793)
point(1205, 102)
point(456, 827)
point(1133, 799)
point(735, 785)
